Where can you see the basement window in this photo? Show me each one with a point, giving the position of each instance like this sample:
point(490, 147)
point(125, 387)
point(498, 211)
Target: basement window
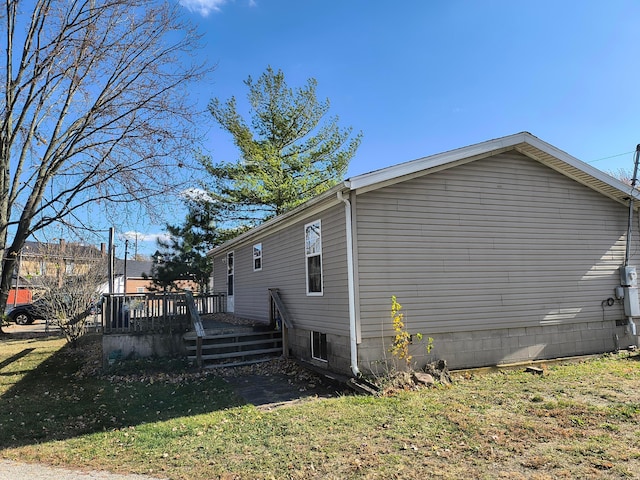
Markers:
point(319, 346)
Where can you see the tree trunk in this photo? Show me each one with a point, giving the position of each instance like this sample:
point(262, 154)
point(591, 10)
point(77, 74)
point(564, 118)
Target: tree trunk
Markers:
point(94, 110)
point(8, 265)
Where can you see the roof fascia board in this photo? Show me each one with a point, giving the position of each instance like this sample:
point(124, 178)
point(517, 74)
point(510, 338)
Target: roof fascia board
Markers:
point(580, 165)
point(427, 171)
point(313, 206)
point(434, 163)
point(472, 152)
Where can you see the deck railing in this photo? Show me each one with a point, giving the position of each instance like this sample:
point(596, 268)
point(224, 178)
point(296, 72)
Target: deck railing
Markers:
point(164, 312)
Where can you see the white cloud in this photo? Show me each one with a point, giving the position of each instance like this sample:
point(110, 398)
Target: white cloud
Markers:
point(144, 237)
point(203, 7)
point(197, 195)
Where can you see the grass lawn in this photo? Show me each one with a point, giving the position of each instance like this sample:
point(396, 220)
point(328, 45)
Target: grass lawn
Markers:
point(577, 420)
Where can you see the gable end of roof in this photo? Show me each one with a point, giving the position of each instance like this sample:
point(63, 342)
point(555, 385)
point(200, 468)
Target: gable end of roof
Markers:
point(523, 142)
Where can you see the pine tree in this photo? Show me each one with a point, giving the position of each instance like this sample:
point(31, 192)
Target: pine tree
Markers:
point(184, 255)
point(290, 151)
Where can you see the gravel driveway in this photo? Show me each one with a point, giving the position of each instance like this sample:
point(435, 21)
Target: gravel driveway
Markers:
point(31, 471)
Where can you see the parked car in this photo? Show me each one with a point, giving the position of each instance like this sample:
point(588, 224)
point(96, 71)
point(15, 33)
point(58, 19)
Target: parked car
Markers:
point(27, 313)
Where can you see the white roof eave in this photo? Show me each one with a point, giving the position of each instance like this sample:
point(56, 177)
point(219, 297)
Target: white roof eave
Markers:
point(274, 222)
point(433, 161)
point(518, 141)
point(524, 142)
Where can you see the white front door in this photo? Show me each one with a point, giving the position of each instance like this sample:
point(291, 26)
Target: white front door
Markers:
point(230, 282)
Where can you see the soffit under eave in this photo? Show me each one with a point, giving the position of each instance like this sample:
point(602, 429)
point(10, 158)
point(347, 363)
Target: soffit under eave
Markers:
point(577, 174)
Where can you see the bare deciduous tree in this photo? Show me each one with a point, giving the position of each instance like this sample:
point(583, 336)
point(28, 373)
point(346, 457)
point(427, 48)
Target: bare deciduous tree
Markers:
point(94, 109)
point(622, 174)
point(67, 294)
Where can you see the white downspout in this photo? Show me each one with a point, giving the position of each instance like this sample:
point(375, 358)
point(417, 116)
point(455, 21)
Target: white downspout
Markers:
point(353, 338)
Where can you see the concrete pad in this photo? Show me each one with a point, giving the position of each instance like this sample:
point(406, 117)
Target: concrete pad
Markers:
point(271, 391)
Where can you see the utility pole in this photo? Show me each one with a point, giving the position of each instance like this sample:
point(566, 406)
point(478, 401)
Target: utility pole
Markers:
point(126, 252)
point(111, 259)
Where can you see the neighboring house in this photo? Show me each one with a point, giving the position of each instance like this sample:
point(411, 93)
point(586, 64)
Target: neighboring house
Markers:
point(502, 252)
point(39, 263)
point(139, 278)
point(37, 259)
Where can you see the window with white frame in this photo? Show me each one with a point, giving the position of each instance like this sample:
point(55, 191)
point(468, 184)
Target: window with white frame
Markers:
point(319, 346)
point(313, 253)
point(257, 257)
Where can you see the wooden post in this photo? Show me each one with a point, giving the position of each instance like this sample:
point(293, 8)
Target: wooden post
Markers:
point(197, 325)
point(285, 341)
point(199, 351)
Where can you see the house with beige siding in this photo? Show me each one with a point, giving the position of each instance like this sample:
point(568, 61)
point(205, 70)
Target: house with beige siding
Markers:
point(506, 251)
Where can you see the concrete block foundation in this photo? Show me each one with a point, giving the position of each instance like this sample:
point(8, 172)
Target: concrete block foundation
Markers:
point(505, 346)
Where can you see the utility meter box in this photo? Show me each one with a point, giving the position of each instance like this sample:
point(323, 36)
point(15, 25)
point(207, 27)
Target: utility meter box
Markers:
point(628, 277)
point(631, 302)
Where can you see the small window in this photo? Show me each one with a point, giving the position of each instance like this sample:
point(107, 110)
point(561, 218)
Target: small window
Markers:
point(140, 289)
point(319, 346)
point(313, 252)
point(257, 257)
point(230, 274)
point(70, 268)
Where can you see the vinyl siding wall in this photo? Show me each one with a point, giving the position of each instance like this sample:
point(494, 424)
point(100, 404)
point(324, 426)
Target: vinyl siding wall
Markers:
point(219, 275)
point(283, 267)
point(500, 243)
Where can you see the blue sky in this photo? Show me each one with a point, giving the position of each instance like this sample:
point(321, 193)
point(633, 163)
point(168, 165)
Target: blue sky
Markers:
point(421, 77)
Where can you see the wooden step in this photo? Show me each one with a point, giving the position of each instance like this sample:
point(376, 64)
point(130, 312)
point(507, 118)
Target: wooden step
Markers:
point(247, 353)
point(213, 346)
point(235, 348)
point(191, 336)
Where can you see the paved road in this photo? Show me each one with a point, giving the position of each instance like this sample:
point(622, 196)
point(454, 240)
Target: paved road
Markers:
point(37, 327)
point(23, 471)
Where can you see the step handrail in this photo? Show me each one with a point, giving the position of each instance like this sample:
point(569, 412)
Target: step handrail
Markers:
point(276, 300)
point(197, 325)
point(282, 309)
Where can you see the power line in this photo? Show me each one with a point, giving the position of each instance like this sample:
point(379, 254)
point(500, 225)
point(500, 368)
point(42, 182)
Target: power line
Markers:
point(612, 156)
